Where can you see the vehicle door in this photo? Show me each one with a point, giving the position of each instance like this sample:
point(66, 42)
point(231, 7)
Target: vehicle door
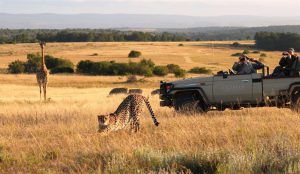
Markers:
point(235, 89)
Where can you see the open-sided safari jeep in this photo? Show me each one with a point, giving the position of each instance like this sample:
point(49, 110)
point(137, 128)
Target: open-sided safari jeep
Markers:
point(228, 90)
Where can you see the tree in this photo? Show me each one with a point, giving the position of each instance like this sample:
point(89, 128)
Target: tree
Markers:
point(134, 54)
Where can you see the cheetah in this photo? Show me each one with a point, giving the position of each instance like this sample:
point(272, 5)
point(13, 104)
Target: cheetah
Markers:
point(128, 112)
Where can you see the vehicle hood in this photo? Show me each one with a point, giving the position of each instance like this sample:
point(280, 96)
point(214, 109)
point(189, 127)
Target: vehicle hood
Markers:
point(193, 82)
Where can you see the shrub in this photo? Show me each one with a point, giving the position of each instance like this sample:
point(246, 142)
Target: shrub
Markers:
point(179, 73)
point(144, 67)
point(263, 55)
point(55, 65)
point(236, 54)
point(172, 68)
point(246, 52)
point(181, 45)
point(33, 62)
point(200, 70)
point(58, 65)
point(85, 66)
point(236, 44)
point(57, 70)
point(160, 70)
point(149, 63)
point(16, 67)
point(256, 52)
point(134, 54)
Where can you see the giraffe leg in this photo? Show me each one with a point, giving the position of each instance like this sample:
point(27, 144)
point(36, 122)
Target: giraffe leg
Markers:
point(45, 91)
point(40, 91)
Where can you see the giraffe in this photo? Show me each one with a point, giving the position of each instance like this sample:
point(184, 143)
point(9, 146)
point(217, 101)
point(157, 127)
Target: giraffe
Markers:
point(42, 73)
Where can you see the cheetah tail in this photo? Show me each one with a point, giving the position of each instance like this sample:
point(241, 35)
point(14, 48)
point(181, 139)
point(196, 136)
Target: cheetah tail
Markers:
point(156, 123)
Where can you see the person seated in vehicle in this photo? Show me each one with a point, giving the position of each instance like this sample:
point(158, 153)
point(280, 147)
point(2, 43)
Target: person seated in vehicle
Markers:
point(286, 64)
point(247, 65)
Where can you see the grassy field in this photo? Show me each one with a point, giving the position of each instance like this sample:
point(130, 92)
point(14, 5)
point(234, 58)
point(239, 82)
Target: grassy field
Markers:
point(60, 136)
point(213, 55)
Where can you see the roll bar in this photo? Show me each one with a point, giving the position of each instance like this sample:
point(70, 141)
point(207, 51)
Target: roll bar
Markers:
point(266, 71)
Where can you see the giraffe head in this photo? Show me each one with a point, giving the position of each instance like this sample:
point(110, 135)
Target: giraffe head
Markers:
point(104, 121)
point(43, 44)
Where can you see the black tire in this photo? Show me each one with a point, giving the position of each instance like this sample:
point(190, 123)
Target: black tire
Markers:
point(295, 102)
point(188, 104)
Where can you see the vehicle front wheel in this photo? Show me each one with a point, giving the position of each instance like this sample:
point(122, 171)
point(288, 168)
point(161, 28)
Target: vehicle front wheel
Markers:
point(188, 104)
point(295, 103)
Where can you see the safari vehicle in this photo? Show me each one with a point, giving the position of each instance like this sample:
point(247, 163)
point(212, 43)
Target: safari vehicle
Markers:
point(232, 91)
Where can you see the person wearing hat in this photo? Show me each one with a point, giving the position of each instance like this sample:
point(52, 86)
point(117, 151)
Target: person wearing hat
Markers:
point(247, 65)
point(286, 63)
point(288, 58)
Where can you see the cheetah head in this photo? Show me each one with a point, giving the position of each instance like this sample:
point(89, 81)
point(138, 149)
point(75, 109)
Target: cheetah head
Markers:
point(103, 121)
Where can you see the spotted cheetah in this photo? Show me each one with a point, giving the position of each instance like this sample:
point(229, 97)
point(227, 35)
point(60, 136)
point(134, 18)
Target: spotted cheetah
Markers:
point(128, 112)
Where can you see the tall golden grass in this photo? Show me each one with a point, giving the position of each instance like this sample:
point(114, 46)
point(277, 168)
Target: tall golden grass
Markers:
point(60, 136)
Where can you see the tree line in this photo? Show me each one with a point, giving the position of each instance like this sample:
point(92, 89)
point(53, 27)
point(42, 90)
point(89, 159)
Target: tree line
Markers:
point(84, 35)
point(277, 41)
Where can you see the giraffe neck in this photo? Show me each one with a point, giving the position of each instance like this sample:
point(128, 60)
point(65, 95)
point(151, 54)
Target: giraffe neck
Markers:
point(43, 60)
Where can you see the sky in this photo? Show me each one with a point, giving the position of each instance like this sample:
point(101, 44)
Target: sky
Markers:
point(179, 7)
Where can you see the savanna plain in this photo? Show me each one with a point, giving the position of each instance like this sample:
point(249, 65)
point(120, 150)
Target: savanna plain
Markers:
point(60, 135)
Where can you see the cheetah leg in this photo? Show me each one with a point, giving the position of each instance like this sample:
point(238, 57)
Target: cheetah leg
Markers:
point(136, 123)
point(132, 126)
point(137, 126)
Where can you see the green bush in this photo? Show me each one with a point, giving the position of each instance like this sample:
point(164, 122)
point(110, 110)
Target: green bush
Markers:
point(134, 54)
point(144, 67)
point(85, 66)
point(160, 70)
point(246, 52)
point(16, 67)
point(53, 62)
point(57, 70)
point(179, 73)
point(236, 54)
point(149, 63)
point(236, 44)
point(172, 68)
point(200, 70)
point(55, 65)
point(33, 62)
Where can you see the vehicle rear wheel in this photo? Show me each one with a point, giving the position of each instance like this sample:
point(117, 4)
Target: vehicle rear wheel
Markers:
point(188, 104)
point(295, 103)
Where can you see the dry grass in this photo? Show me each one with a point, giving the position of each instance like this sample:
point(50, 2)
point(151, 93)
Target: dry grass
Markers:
point(60, 137)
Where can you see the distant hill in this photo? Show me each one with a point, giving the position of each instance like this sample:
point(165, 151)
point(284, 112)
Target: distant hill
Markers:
point(61, 21)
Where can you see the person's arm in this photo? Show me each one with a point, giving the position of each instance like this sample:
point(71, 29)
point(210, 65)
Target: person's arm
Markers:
point(282, 62)
point(257, 65)
point(236, 66)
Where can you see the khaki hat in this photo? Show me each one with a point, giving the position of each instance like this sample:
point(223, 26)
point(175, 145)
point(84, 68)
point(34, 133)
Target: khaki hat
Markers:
point(291, 50)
